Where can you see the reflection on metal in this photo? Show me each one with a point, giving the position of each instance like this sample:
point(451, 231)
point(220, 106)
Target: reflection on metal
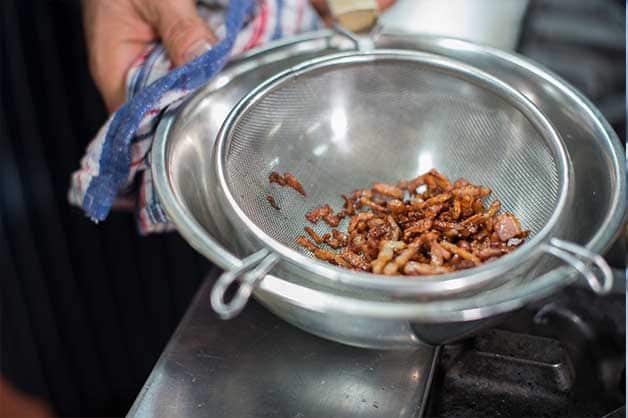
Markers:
point(181, 163)
point(425, 162)
point(258, 366)
point(339, 124)
point(489, 22)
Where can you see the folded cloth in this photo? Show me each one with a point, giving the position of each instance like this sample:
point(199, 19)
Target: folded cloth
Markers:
point(115, 171)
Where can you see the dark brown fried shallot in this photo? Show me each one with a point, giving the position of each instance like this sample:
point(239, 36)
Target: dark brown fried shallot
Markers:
point(388, 190)
point(288, 179)
point(275, 177)
point(317, 239)
point(292, 181)
point(424, 226)
point(316, 214)
point(507, 227)
point(412, 268)
point(348, 207)
point(272, 202)
point(306, 243)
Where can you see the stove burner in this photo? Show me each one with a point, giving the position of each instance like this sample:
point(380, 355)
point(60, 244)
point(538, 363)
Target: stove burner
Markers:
point(563, 358)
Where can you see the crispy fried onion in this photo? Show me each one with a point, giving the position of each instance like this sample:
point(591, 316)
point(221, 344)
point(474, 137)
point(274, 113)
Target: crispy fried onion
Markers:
point(424, 226)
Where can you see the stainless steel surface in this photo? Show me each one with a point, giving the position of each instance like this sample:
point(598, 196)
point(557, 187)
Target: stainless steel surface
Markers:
point(586, 262)
point(259, 366)
point(340, 123)
point(496, 24)
point(183, 149)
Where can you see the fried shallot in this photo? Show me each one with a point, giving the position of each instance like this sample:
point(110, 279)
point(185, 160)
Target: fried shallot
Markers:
point(424, 226)
point(288, 179)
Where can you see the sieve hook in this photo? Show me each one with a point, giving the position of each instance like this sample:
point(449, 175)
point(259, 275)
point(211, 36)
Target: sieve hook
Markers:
point(355, 16)
point(249, 275)
point(363, 44)
point(584, 261)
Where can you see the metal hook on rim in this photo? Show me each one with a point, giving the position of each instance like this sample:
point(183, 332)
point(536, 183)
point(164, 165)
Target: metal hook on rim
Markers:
point(362, 44)
point(355, 16)
point(249, 274)
point(574, 255)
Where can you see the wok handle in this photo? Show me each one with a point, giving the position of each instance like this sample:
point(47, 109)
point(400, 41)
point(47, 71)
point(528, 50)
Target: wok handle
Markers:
point(600, 280)
point(253, 269)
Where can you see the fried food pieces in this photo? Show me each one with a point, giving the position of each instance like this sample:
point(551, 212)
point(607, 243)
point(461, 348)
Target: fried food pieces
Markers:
point(424, 226)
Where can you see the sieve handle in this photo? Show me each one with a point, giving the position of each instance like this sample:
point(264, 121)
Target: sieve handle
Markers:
point(249, 275)
point(585, 262)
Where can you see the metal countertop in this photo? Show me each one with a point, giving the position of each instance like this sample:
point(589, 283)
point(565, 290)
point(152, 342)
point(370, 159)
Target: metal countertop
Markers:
point(257, 365)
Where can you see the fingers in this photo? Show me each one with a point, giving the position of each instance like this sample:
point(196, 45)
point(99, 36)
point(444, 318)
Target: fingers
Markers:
point(323, 9)
point(119, 31)
point(320, 6)
point(384, 4)
point(183, 33)
point(357, 20)
point(111, 71)
point(16, 403)
point(116, 35)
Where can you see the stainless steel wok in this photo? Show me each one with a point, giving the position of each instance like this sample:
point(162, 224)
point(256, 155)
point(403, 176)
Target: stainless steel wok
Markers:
point(181, 162)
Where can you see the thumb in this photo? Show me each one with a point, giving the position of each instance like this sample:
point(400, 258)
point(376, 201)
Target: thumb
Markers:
point(183, 33)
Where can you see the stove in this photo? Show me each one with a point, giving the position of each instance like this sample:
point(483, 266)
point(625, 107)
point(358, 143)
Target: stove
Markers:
point(564, 356)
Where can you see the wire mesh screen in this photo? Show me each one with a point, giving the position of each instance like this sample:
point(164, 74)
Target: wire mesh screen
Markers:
point(340, 128)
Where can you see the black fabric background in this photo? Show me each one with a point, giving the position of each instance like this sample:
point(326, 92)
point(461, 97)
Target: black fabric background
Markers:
point(86, 309)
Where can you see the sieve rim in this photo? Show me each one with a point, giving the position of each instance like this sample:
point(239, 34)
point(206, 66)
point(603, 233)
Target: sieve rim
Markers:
point(450, 282)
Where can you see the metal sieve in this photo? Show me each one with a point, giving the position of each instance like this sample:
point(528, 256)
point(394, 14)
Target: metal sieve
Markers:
point(341, 122)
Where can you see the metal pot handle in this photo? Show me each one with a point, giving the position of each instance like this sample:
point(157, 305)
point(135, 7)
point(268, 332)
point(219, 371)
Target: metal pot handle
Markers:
point(584, 261)
point(253, 269)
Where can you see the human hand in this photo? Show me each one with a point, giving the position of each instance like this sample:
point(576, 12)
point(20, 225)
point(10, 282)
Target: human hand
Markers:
point(323, 10)
point(118, 31)
point(15, 403)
